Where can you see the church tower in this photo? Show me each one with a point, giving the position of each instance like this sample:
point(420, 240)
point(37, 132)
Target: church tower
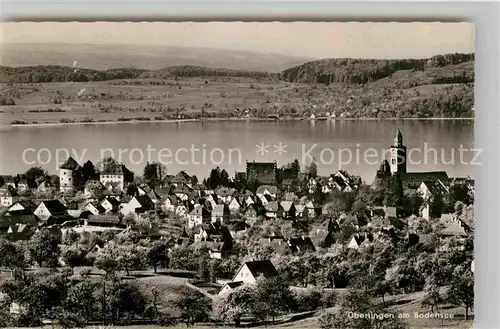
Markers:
point(398, 155)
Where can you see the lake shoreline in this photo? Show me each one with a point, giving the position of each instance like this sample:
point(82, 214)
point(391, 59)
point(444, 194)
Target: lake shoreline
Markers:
point(58, 124)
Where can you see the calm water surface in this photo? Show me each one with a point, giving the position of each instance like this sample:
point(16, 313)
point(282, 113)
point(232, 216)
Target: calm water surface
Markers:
point(198, 147)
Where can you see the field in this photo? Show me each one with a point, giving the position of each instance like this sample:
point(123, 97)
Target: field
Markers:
point(186, 98)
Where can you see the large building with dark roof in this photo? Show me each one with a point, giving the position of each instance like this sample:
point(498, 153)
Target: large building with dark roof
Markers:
point(262, 172)
point(397, 165)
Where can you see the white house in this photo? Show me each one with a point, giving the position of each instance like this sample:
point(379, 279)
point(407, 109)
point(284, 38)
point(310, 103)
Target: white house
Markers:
point(249, 272)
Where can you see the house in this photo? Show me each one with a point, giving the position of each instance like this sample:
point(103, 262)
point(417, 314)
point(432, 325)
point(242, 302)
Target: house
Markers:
point(270, 190)
point(181, 179)
point(301, 211)
point(8, 196)
point(110, 204)
point(344, 182)
point(265, 199)
point(69, 173)
point(107, 220)
point(249, 272)
point(199, 215)
point(182, 191)
point(220, 214)
point(248, 200)
point(50, 208)
point(44, 185)
point(138, 204)
point(253, 211)
point(225, 194)
point(113, 175)
point(94, 208)
point(218, 249)
point(273, 210)
point(8, 181)
point(289, 210)
point(10, 220)
point(313, 210)
point(430, 191)
point(358, 239)
point(322, 236)
point(18, 232)
point(22, 207)
point(301, 244)
point(234, 206)
point(453, 229)
point(170, 203)
point(230, 286)
point(238, 229)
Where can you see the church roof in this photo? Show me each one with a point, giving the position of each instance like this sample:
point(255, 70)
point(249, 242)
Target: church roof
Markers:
point(414, 179)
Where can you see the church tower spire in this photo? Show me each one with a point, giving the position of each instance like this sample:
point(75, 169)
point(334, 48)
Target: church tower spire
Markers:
point(398, 155)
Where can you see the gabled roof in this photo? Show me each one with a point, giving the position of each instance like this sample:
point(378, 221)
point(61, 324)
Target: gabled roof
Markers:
point(54, 206)
point(70, 164)
point(287, 205)
point(181, 177)
point(145, 201)
point(113, 201)
point(272, 189)
point(28, 205)
point(260, 268)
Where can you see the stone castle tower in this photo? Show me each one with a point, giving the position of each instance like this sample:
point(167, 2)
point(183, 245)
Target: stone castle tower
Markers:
point(68, 175)
point(397, 161)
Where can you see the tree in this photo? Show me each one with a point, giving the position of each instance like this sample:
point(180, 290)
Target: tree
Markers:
point(273, 297)
point(43, 247)
point(158, 254)
point(11, 256)
point(154, 173)
point(88, 172)
point(124, 299)
point(33, 174)
point(312, 170)
point(193, 307)
point(230, 307)
point(107, 259)
point(432, 297)
point(80, 305)
point(73, 256)
point(131, 256)
point(461, 290)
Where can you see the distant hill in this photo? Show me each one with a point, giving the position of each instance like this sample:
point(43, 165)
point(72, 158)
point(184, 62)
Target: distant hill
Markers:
point(55, 73)
point(450, 68)
point(103, 57)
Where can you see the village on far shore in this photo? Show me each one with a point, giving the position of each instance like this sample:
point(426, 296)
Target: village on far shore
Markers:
point(246, 222)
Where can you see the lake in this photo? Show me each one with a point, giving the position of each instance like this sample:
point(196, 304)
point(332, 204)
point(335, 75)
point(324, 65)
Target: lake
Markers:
point(196, 147)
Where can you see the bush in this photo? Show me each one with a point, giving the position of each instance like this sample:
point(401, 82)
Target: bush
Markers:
point(309, 301)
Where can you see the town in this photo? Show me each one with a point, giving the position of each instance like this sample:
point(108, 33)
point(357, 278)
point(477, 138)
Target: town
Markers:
point(260, 246)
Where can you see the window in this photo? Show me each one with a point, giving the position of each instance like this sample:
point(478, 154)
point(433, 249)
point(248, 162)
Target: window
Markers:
point(393, 161)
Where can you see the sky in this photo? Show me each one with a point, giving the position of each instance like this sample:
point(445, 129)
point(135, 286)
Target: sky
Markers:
point(304, 39)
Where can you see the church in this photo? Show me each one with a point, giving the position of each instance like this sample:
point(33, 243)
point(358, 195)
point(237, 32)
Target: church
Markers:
point(397, 165)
